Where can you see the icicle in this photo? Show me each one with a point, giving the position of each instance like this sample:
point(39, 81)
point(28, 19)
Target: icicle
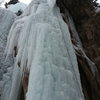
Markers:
point(16, 83)
point(51, 3)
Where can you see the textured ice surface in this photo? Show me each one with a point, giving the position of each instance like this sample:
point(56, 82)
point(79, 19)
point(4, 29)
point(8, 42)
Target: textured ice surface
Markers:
point(6, 20)
point(45, 50)
point(15, 8)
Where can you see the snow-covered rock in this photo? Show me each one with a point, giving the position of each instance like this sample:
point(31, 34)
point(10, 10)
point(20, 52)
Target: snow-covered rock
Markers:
point(6, 20)
point(16, 7)
point(46, 52)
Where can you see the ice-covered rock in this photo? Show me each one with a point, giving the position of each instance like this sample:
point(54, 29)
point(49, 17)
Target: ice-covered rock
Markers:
point(6, 20)
point(45, 51)
point(17, 7)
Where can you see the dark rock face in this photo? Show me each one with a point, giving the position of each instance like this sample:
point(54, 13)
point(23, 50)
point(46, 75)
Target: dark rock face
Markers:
point(19, 13)
point(89, 32)
point(87, 22)
point(11, 2)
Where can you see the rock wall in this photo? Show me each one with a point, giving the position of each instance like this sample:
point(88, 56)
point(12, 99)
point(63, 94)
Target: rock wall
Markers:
point(87, 24)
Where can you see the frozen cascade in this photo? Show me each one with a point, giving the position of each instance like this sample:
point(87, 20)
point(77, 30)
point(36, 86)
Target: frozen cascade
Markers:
point(6, 20)
point(44, 49)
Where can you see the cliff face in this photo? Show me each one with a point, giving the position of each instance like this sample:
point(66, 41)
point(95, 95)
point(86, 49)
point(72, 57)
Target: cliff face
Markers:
point(90, 36)
point(87, 23)
point(89, 32)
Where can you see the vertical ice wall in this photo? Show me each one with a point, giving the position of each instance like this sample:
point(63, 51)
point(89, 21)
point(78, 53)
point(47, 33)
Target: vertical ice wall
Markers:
point(6, 20)
point(45, 51)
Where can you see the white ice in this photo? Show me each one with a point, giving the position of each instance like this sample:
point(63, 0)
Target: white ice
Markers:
point(16, 7)
point(46, 52)
point(6, 20)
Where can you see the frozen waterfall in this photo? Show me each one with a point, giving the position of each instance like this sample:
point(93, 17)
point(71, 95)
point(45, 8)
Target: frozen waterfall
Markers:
point(45, 51)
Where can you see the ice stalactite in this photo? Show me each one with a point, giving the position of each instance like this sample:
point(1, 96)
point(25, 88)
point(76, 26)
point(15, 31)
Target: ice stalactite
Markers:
point(6, 20)
point(45, 51)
